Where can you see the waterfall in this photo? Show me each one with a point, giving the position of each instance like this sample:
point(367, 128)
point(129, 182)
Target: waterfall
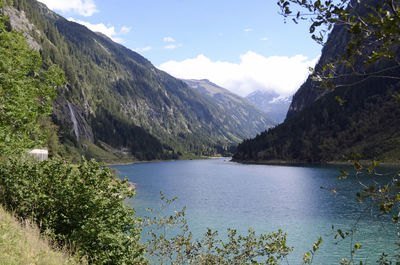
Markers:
point(74, 121)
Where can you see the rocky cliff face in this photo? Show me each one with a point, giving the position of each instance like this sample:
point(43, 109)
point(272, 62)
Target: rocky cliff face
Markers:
point(20, 22)
point(311, 91)
point(335, 47)
point(74, 118)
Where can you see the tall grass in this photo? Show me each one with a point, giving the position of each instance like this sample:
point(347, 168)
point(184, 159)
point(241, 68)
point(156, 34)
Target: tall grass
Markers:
point(21, 243)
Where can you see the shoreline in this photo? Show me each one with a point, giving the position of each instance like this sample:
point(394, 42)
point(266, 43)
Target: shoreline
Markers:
point(261, 162)
point(300, 163)
point(160, 160)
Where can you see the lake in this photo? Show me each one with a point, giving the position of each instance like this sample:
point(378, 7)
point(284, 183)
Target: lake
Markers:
point(220, 194)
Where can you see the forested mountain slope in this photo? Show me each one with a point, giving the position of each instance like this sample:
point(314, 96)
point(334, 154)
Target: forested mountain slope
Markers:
point(361, 115)
point(117, 99)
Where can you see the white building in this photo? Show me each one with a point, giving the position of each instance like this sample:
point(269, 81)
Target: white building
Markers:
point(39, 154)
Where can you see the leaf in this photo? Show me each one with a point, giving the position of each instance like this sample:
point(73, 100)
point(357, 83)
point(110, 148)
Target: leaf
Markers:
point(340, 232)
point(340, 100)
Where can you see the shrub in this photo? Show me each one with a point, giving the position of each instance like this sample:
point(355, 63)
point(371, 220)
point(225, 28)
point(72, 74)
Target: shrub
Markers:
point(79, 205)
point(171, 242)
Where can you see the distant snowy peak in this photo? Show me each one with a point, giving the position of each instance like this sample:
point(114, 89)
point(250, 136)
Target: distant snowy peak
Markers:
point(281, 100)
point(274, 104)
point(264, 94)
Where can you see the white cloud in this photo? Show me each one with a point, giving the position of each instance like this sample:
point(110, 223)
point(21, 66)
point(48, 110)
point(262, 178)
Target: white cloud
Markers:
point(172, 46)
point(125, 30)
point(168, 39)
point(264, 39)
point(144, 49)
point(82, 7)
point(281, 74)
point(248, 30)
point(109, 31)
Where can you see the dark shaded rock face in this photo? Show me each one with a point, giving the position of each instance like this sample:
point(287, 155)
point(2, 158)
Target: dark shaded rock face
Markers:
point(310, 91)
point(73, 118)
point(335, 47)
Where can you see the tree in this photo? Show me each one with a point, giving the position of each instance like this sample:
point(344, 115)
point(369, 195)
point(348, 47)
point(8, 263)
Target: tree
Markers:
point(26, 90)
point(374, 27)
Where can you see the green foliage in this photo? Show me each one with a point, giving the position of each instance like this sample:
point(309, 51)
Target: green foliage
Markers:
point(376, 197)
point(26, 90)
point(81, 205)
point(53, 142)
point(171, 242)
point(386, 197)
point(309, 255)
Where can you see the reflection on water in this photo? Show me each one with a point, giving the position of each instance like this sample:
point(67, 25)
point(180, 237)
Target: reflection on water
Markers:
point(221, 194)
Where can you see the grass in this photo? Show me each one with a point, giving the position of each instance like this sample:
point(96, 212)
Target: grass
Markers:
point(106, 153)
point(21, 243)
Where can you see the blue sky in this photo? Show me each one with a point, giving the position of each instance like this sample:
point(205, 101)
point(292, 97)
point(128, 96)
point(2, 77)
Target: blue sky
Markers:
point(241, 45)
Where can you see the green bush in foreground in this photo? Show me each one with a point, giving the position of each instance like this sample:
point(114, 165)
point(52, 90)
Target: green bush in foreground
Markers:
point(82, 206)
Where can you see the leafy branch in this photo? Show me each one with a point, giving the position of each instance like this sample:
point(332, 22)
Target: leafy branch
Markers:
point(380, 198)
point(374, 34)
point(171, 242)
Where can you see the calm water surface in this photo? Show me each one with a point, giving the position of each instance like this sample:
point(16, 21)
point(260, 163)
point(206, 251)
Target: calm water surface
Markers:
point(220, 194)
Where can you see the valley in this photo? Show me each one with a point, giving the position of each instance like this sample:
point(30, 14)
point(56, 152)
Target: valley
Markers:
point(115, 97)
point(210, 160)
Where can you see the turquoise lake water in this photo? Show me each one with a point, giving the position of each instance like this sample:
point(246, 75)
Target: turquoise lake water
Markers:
point(220, 194)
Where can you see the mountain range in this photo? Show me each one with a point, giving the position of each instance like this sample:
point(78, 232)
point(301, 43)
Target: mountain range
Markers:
point(116, 103)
